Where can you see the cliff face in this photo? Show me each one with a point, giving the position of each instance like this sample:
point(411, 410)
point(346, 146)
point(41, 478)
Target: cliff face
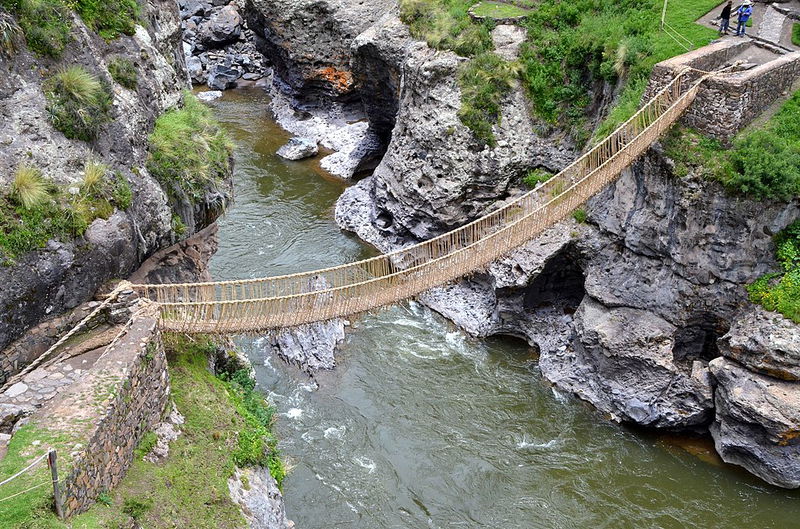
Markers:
point(65, 273)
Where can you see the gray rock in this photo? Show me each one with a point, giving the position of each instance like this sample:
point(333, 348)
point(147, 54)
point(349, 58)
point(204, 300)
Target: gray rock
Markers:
point(196, 71)
point(757, 423)
point(764, 342)
point(623, 364)
point(256, 492)
point(224, 26)
point(9, 415)
point(310, 347)
point(298, 149)
point(16, 390)
point(210, 95)
point(222, 77)
point(191, 8)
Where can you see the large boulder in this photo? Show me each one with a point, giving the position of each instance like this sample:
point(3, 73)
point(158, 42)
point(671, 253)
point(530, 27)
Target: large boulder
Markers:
point(223, 27)
point(757, 423)
point(765, 342)
point(298, 149)
point(223, 77)
point(623, 364)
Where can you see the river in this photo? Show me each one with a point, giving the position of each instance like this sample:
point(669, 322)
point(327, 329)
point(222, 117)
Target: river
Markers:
point(421, 426)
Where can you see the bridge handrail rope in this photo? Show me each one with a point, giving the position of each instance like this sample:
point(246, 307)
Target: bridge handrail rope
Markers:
point(259, 304)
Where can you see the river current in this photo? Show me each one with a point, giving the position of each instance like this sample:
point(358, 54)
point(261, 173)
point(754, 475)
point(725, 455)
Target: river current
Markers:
point(421, 426)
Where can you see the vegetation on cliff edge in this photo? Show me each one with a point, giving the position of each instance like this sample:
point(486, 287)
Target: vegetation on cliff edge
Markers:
point(189, 150)
point(572, 50)
point(78, 102)
point(780, 292)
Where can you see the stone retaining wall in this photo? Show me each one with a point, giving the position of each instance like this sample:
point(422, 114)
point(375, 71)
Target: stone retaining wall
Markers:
point(134, 375)
point(729, 102)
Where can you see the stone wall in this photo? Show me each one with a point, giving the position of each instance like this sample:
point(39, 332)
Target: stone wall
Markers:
point(134, 373)
point(727, 103)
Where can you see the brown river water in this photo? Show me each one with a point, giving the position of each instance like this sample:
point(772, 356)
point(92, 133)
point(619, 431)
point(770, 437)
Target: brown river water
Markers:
point(422, 426)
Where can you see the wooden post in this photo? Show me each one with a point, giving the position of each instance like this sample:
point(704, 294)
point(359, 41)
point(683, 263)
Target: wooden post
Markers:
point(51, 461)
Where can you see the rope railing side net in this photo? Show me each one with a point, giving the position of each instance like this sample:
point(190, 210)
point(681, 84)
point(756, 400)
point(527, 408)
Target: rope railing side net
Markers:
point(7, 481)
point(252, 305)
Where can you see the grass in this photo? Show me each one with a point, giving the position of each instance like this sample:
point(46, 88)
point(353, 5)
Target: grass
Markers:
point(78, 102)
point(572, 50)
point(227, 423)
point(536, 177)
point(46, 24)
point(123, 71)
point(780, 292)
point(761, 164)
point(499, 10)
point(484, 82)
point(189, 151)
point(34, 509)
point(9, 34)
point(796, 34)
point(37, 211)
point(109, 18)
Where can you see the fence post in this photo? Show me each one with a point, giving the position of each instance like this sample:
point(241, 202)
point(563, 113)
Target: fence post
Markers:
point(51, 461)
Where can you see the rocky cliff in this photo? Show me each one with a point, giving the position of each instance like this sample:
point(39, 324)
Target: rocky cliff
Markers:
point(65, 272)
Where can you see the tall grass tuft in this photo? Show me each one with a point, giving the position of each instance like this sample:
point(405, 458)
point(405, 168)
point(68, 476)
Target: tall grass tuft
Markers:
point(78, 102)
point(189, 151)
point(9, 33)
point(29, 187)
point(45, 23)
point(93, 176)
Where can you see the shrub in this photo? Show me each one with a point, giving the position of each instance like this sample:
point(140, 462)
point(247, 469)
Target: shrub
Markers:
point(45, 23)
point(78, 102)
point(189, 151)
point(110, 18)
point(446, 25)
point(123, 72)
point(29, 188)
point(136, 508)
point(766, 165)
point(579, 215)
point(536, 177)
point(780, 292)
point(122, 195)
point(484, 82)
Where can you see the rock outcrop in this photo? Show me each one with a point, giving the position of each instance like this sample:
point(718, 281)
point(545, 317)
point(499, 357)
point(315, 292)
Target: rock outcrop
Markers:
point(65, 273)
point(257, 494)
point(757, 423)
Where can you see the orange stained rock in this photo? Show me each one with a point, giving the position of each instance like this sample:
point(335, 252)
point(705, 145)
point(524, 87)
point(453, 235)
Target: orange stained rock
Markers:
point(341, 80)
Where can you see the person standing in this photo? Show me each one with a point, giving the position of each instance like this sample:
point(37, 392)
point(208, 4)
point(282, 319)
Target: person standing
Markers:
point(725, 18)
point(744, 12)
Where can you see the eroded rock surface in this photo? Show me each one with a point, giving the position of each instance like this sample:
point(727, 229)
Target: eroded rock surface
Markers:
point(757, 423)
point(256, 492)
point(764, 342)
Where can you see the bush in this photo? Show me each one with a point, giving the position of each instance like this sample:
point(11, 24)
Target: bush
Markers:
point(110, 18)
point(189, 151)
point(9, 34)
point(45, 23)
point(780, 292)
point(136, 508)
point(579, 215)
point(446, 25)
point(484, 82)
point(536, 177)
point(766, 165)
point(29, 188)
point(78, 102)
point(123, 72)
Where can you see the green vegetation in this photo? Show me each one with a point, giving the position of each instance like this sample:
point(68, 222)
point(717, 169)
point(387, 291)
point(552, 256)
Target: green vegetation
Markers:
point(227, 424)
point(446, 25)
point(795, 34)
point(499, 10)
point(189, 151)
point(580, 216)
point(36, 211)
point(484, 82)
point(571, 48)
point(110, 18)
point(123, 72)
point(9, 33)
point(45, 23)
point(536, 177)
point(780, 292)
point(34, 509)
point(78, 102)
point(762, 163)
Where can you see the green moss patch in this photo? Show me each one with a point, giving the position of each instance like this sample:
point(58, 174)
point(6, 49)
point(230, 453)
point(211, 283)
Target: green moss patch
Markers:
point(45, 23)
point(109, 18)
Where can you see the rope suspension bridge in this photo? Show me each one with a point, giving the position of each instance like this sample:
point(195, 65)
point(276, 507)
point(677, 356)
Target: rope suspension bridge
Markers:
point(248, 306)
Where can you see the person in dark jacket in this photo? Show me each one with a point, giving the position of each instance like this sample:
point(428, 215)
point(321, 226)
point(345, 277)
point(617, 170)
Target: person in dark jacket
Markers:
point(725, 18)
point(744, 12)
